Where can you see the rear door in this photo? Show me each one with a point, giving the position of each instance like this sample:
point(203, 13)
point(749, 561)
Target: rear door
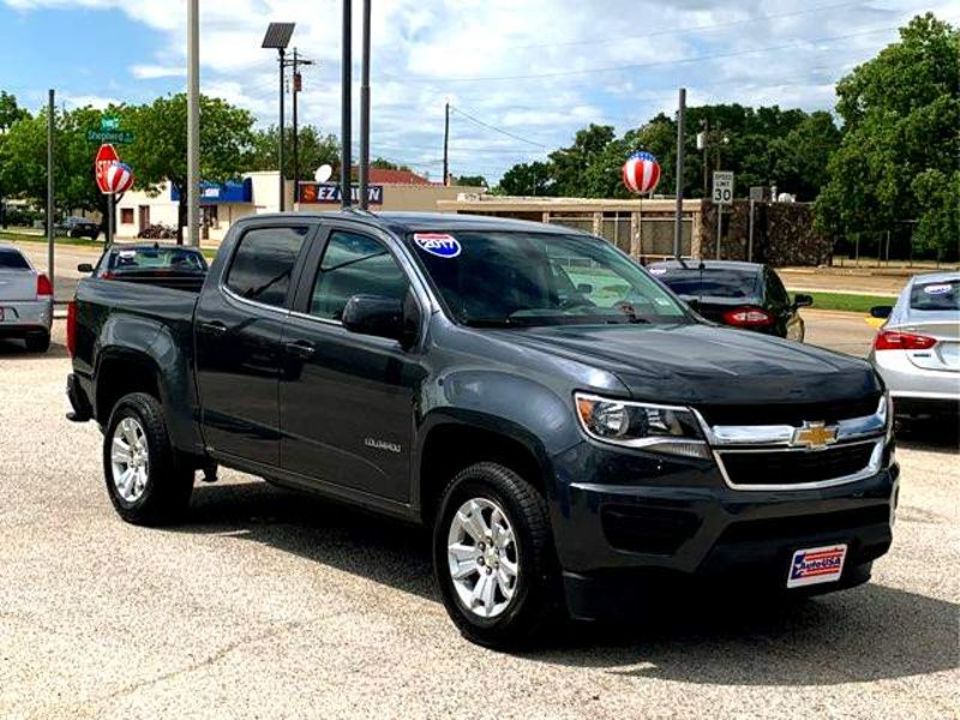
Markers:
point(347, 400)
point(239, 328)
point(779, 304)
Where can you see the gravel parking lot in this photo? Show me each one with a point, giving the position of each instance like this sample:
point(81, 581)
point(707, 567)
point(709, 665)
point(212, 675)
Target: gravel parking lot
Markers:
point(269, 604)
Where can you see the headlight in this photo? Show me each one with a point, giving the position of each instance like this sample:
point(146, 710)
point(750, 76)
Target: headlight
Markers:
point(657, 428)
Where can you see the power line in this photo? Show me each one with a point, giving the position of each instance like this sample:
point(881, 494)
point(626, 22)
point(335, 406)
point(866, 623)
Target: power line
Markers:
point(691, 29)
point(509, 134)
point(656, 63)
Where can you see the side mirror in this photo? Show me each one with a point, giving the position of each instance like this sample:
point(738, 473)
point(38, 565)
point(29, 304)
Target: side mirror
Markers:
point(881, 311)
point(383, 317)
point(693, 304)
point(802, 300)
point(85, 268)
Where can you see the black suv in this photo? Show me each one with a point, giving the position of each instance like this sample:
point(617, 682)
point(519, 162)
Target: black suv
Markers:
point(564, 423)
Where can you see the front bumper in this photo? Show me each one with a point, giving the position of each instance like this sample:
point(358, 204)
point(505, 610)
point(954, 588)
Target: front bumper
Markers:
point(674, 518)
point(23, 317)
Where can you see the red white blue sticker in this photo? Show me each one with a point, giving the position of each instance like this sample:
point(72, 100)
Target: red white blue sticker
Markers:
point(440, 244)
point(813, 566)
point(942, 289)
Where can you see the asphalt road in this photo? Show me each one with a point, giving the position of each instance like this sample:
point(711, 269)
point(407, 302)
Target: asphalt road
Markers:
point(268, 604)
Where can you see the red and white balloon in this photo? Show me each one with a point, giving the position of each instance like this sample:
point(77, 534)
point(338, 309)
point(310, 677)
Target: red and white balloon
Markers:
point(119, 178)
point(641, 173)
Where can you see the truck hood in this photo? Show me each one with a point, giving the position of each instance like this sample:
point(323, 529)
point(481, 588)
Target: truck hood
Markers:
point(702, 363)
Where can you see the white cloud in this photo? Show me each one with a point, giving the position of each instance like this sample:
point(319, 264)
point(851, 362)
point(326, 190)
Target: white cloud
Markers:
point(429, 51)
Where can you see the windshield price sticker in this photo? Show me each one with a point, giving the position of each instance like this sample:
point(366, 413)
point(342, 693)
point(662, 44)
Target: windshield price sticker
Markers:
point(440, 244)
point(657, 271)
point(937, 289)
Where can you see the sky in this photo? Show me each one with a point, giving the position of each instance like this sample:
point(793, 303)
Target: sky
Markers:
point(521, 75)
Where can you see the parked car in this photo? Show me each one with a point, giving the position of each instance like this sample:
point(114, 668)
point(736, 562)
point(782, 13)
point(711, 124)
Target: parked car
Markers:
point(743, 295)
point(568, 428)
point(172, 266)
point(77, 227)
point(917, 350)
point(26, 301)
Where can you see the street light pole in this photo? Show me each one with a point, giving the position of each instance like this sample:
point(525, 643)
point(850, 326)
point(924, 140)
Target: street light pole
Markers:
point(678, 213)
point(51, 202)
point(365, 108)
point(346, 78)
point(283, 189)
point(193, 122)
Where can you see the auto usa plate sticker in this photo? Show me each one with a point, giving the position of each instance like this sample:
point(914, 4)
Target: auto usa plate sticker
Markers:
point(440, 244)
point(813, 566)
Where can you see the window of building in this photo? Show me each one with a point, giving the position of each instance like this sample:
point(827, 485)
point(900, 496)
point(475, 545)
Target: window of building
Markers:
point(354, 264)
point(263, 264)
point(126, 216)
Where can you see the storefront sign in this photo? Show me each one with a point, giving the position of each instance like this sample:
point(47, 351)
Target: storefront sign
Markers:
point(329, 193)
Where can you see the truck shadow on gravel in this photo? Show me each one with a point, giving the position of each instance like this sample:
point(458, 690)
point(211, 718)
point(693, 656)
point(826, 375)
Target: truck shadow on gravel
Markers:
point(869, 633)
point(931, 434)
point(15, 349)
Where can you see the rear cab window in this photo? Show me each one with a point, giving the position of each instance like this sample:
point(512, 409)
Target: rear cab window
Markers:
point(263, 263)
point(936, 295)
point(176, 260)
point(12, 260)
point(714, 282)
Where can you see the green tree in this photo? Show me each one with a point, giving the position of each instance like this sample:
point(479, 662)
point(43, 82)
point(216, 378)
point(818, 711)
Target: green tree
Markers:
point(568, 164)
point(315, 149)
point(159, 151)
point(471, 181)
point(535, 178)
point(10, 112)
point(800, 158)
point(898, 160)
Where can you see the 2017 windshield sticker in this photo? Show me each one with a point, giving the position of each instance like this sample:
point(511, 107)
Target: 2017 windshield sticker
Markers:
point(937, 289)
point(440, 244)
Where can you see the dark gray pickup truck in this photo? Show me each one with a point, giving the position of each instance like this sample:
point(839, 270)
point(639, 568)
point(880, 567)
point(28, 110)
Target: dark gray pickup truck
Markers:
point(567, 426)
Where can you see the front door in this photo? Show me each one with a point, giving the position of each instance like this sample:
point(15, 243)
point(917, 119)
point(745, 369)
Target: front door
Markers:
point(143, 219)
point(239, 331)
point(347, 400)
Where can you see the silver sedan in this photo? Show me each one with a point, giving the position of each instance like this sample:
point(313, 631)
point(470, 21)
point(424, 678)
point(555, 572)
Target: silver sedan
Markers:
point(917, 350)
point(26, 301)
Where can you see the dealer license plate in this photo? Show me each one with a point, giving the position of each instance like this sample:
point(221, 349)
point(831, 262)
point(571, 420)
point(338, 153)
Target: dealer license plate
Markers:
point(812, 566)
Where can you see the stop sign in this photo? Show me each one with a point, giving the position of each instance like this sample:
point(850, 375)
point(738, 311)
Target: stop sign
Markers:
point(106, 156)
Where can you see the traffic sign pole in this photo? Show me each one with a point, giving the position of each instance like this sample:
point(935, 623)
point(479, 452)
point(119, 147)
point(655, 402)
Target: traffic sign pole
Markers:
point(719, 227)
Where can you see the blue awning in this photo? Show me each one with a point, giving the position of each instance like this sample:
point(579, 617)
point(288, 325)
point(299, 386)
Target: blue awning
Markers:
point(232, 191)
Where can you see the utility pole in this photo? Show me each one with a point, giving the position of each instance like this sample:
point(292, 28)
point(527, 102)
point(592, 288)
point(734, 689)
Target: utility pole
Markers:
point(193, 123)
point(297, 88)
point(365, 108)
point(346, 78)
point(678, 214)
point(446, 143)
point(51, 205)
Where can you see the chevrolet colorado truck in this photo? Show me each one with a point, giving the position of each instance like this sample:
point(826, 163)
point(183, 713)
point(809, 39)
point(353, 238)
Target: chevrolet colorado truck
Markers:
point(567, 427)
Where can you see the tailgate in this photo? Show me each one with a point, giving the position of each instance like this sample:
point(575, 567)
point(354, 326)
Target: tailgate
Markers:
point(18, 285)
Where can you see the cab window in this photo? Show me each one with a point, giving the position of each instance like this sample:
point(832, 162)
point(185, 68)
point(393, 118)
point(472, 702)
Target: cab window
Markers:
point(354, 264)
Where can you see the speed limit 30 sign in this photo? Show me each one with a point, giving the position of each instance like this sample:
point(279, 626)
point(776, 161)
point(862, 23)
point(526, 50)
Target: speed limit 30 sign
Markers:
point(722, 187)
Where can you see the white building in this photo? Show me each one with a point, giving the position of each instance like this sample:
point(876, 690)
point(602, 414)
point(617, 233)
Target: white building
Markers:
point(258, 192)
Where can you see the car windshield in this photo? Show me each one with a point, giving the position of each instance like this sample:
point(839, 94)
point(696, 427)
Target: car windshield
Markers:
point(504, 279)
point(944, 295)
point(159, 259)
point(716, 282)
point(12, 260)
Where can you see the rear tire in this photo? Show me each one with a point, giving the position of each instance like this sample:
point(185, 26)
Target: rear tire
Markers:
point(37, 342)
point(493, 530)
point(147, 480)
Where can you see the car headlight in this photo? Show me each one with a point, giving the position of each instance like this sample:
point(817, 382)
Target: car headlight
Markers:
point(656, 428)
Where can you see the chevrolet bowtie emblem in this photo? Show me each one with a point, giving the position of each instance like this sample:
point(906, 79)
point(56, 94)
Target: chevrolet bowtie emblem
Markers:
point(814, 435)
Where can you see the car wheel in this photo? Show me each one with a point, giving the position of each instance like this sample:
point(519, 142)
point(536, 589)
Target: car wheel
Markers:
point(493, 557)
point(37, 342)
point(146, 479)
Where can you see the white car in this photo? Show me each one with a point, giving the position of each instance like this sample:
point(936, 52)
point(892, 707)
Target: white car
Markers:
point(917, 350)
point(26, 301)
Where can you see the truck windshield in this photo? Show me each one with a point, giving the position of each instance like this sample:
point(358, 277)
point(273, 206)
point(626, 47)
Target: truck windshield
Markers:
point(504, 279)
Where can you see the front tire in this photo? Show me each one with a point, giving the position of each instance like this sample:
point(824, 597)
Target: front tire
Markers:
point(147, 481)
point(493, 557)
